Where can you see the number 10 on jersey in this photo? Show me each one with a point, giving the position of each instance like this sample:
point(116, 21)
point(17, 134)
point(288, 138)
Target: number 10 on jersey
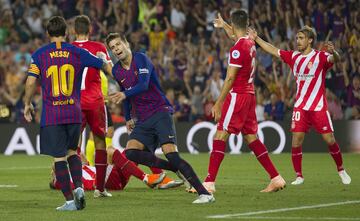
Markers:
point(62, 79)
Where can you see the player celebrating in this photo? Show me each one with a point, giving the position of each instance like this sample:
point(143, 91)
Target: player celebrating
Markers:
point(235, 108)
point(150, 121)
point(59, 66)
point(309, 67)
point(116, 177)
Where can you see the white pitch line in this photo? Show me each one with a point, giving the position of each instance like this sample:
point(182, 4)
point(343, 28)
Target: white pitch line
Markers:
point(8, 186)
point(24, 168)
point(283, 209)
point(296, 218)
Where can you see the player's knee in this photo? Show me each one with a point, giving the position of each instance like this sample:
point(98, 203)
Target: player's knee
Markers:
point(168, 148)
point(110, 132)
point(71, 152)
point(110, 150)
point(249, 138)
point(99, 142)
point(221, 135)
point(329, 138)
point(297, 140)
point(134, 144)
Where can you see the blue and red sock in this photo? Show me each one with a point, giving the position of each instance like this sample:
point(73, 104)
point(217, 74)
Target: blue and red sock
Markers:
point(75, 168)
point(148, 159)
point(63, 179)
point(188, 172)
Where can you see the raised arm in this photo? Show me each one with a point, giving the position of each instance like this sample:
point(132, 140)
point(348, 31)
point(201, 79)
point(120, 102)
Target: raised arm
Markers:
point(334, 57)
point(220, 23)
point(269, 48)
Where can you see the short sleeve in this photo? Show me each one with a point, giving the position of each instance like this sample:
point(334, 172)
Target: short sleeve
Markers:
point(325, 57)
point(235, 58)
point(34, 69)
point(89, 60)
point(286, 56)
point(104, 55)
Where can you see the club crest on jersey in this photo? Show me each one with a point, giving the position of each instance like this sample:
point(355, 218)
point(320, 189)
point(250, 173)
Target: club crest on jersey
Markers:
point(235, 54)
point(310, 65)
point(144, 71)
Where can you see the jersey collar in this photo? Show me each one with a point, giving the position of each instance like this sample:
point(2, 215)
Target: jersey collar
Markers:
point(245, 37)
point(82, 41)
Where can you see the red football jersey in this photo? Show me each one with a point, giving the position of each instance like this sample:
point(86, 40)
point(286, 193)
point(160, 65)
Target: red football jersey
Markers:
point(242, 55)
point(309, 71)
point(91, 83)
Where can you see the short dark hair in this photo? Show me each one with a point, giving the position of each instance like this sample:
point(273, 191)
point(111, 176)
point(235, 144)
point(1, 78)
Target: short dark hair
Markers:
point(56, 26)
point(240, 18)
point(309, 32)
point(82, 25)
point(113, 36)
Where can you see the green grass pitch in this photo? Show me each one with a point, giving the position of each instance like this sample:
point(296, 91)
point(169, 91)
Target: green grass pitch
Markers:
point(238, 184)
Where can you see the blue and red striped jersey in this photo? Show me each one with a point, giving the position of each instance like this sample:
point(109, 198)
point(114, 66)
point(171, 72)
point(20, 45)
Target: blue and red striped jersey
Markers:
point(59, 67)
point(141, 85)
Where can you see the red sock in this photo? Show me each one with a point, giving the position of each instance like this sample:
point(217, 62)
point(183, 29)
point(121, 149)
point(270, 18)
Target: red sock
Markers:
point(155, 170)
point(127, 166)
point(262, 156)
point(78, 150)
point(100, 165)
point(296, 156)
point(336, 155)
point(216, 157)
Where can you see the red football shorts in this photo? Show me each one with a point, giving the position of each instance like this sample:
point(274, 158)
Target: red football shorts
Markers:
point(238, 114)
point(117, 180)
point(303, 120)
point(97, 120)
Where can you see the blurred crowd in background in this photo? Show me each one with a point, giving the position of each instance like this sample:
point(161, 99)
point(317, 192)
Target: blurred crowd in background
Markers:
point(189, 54)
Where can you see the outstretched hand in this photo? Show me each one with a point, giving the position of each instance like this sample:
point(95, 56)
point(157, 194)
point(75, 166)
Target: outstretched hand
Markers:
point(252, 33)
point(117, 97)
point(329, 47)
point(219, 21)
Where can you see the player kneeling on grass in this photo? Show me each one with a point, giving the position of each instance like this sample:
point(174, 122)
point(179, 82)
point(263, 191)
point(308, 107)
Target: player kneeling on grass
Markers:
point(118, 173)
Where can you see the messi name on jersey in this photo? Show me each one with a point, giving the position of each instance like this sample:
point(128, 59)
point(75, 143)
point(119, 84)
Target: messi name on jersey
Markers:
point(59, 54)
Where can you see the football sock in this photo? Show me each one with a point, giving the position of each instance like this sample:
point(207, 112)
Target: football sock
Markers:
point(262, 156)
point(90, 152)
point(127, 166)
point(296, 156)
point(155, 170)
point(108, 141)
point(187, 171)
point(216, 157)
point(100, 165)
point(336, 155)
point(148, 159)
point(63, 179)
point(75, 167)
